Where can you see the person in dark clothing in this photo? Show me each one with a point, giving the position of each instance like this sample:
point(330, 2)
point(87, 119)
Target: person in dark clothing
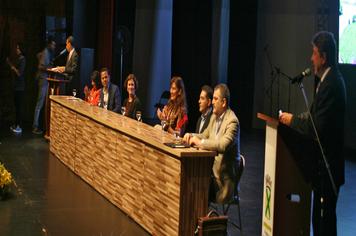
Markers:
point(110, 98)
point(18, 73)
point(71, 68)
point(132, 103)
point(328, 112)
point(205, 103)
point(44, 62)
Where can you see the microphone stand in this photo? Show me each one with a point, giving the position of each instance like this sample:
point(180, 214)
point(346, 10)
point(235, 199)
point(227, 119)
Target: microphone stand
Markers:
point(55, 58)
point(269, 90)
point(121, 65)
point(275, 73)
point(327, 166)
point(289, 87)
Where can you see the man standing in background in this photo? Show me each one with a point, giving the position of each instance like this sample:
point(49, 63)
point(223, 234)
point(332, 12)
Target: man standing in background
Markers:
point(44, 62)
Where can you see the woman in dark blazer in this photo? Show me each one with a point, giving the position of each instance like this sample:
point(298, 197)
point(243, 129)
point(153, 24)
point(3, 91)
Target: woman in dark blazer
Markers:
point(132, 103)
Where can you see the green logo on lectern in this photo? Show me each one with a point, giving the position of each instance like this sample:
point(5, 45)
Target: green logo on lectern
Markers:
point(268, 202)
point(268, 197)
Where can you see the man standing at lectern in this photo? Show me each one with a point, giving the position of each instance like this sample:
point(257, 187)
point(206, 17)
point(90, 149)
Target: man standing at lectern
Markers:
point(223, 136)
point(71, 67)
point(328, 112)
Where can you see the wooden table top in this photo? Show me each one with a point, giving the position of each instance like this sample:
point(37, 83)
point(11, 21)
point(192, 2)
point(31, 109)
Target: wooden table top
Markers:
point(139, 130)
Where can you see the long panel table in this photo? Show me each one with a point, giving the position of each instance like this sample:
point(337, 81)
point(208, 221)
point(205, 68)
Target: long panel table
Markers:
point(163, 189)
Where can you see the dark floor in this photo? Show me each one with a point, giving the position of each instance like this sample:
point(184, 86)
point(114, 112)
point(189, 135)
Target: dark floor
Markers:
point(50, 200)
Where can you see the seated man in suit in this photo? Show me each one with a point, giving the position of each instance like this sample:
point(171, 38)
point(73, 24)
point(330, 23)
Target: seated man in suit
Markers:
point(205, 99)
point(110, 98)
point(223, 136)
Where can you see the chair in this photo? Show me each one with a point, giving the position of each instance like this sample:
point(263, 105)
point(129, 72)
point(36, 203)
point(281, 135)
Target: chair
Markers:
point(236, 196)
point(164, 97)
point(162, 101)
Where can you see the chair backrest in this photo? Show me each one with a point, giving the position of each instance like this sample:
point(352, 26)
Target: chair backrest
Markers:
point(240, 169)
point(165, 96)
point(163, 99)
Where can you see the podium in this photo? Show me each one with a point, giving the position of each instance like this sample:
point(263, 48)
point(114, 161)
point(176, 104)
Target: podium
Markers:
point(286, 193)
point(55, 80)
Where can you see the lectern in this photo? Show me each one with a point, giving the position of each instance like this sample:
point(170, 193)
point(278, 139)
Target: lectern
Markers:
point(55, 80)
point(286, 193)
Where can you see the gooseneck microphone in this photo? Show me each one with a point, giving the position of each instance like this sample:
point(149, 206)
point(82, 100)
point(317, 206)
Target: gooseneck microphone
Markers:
point(299, 77)
point(62, 52)
point(56, 57)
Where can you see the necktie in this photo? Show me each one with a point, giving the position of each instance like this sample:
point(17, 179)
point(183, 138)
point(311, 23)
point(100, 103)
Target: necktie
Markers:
point(202, 121)
point(317, 87)
point(218, 124)
point(68, 57)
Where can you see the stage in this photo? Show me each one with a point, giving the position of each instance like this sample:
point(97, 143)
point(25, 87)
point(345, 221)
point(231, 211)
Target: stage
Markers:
point(50, 199)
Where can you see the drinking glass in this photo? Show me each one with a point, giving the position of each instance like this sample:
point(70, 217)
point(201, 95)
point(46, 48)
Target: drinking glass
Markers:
point(123, 110)
point(74, 91)
point(139, 116)
point(177, 138)
point(163, 124)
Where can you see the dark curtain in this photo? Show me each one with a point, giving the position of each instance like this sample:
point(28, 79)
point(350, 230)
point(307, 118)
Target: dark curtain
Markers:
point(105, 34)
point(124, 28)
point(241, 67)
point(191, 50)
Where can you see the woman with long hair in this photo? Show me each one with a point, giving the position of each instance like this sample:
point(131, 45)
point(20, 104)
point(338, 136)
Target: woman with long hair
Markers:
point(175, 112)
point(92, 96)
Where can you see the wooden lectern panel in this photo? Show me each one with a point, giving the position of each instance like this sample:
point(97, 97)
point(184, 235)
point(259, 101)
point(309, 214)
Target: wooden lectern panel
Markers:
point(55, 80)
point(286, 194)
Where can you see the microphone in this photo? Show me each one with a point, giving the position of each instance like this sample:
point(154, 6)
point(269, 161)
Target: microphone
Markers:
point(299, 77)
point(56, 57)
point(62, 52)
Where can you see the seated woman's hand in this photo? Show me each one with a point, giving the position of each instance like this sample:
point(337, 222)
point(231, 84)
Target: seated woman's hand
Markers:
point(159, 112)
point(86, 91)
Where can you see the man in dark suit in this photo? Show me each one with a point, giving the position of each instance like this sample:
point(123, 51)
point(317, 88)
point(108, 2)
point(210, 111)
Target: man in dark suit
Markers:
point(71, 67)
point(110, 98)
point(205, 99)
point(328, 112)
